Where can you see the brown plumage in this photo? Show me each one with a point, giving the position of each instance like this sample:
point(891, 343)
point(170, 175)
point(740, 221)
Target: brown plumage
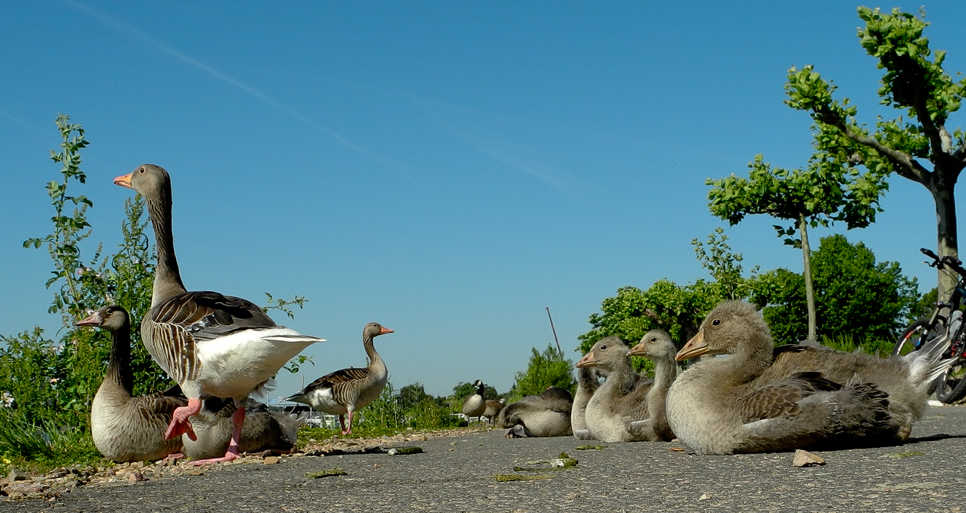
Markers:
point(588, 381)
point(347, 390)
point(492, 409)
point(621, 399)
point(547, 414)
point(736, 404)
point(127, 428)
point(211, 344)
point(263, 430)
point(657, 346)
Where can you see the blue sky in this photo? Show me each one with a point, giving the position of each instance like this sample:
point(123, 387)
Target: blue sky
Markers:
point(447, 169)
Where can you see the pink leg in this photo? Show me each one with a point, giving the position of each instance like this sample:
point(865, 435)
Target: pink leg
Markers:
point(179, 420)
point(348, 431)
point(342, 423)
point(237, 420)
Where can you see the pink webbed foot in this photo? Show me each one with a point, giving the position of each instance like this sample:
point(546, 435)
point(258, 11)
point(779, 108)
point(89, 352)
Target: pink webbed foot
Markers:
point(237, 420)
point(179, 420)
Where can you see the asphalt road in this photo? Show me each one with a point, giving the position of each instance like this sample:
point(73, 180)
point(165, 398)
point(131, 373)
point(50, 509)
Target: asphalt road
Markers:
point(459, 474)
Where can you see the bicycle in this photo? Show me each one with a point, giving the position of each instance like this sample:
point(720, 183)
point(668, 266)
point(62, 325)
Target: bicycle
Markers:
point(946, 319)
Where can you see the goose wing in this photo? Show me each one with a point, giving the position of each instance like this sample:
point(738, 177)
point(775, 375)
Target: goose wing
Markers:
point(333, 379)
point(781, 398)
point(181, 322)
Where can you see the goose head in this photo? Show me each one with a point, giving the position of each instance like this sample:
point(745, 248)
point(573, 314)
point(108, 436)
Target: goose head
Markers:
point(112, 318)
point(654, 344)
point(148, 180)
point(733, 327)
point(374, 329)
point(608, 353)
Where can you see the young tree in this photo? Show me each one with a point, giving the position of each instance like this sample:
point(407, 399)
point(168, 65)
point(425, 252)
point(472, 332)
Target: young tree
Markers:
point(828, 190)
point(914, 81)
point(547, 369)
point(724, 266)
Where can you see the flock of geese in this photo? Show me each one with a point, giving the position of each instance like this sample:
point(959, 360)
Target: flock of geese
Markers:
point(757, 398)
point(222, 349)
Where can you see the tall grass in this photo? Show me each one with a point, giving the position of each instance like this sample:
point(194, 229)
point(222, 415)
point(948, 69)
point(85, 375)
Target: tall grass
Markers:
point(47, 443)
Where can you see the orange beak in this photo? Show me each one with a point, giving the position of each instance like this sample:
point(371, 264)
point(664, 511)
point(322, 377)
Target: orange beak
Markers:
point(384, 329)
point(93, 319)
point(638, 350)
point(124, 180)
point(589, 360)
point(694, 347)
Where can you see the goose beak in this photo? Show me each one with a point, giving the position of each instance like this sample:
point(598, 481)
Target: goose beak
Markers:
point(694, 347)
point(589, 360)
point(93, 319)
point(638, 350)
point(124, 180)
point(385, 330)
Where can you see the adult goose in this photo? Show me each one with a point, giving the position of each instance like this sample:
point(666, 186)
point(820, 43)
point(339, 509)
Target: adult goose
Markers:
point(264, 430)
point(657, 346)
point(737, 404)
point(547, 414)
point(344, 391)
point(127, 428)
point(474, 405)
point(210, 344)
point(493, 408)
point(621, 399)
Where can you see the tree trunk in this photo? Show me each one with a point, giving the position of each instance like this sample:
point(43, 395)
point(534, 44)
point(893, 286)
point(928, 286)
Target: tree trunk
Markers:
point(941, 187)
point(807, 274)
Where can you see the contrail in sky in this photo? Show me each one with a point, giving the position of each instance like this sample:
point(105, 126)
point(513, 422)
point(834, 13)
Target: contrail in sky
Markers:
point(131, 30)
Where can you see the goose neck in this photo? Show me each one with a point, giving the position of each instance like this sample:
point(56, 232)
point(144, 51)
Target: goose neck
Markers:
point(119, 362)
point(167, 278)
point(374, 358)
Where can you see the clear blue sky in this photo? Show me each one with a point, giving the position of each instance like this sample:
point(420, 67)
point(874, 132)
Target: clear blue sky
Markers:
point(448, 169)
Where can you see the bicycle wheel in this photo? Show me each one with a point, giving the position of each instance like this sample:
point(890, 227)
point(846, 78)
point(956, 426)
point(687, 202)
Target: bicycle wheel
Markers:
point(951, 386)
point(915, 335)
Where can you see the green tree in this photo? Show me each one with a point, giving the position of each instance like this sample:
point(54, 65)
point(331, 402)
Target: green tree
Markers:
point(862, 301)
point(914, 82)
point(724, 265)
point(665, 305)
point(547, 369)
point(828, 190)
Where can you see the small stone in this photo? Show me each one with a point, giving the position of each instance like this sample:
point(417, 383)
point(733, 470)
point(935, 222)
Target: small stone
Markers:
point(703, 497)
point(806, 459)
point(271, 460)
point(16, 475)
point(135, 477)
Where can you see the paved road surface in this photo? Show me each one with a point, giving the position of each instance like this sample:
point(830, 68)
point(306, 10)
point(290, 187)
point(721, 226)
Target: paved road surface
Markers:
point(458, 474)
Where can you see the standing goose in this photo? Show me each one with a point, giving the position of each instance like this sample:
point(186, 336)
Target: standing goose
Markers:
point(658, 347)
point(264, 430)
point(621, 399)
point(127, 428)
point(344, 391)
point(474, 405)
point(730, 405)
point(493, 408)
point(210, 344)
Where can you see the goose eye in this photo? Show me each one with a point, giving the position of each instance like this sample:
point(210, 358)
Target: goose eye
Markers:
point(715, 322)
point(603, 347)
point(141, 170)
